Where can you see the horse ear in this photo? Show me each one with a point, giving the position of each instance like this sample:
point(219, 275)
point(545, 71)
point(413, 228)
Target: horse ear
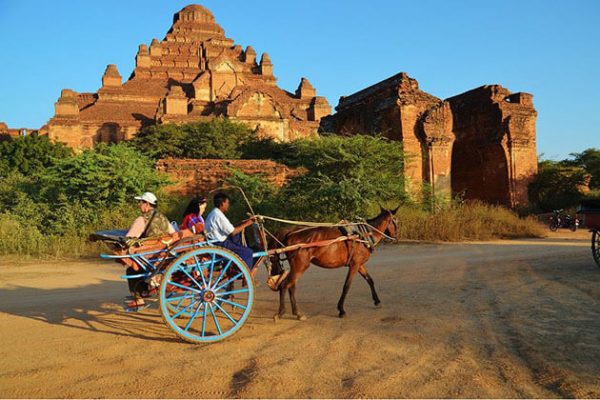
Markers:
point(381, 209)
point(395, 210)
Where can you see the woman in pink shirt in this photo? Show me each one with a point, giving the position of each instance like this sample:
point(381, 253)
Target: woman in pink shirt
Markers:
point(192, 216)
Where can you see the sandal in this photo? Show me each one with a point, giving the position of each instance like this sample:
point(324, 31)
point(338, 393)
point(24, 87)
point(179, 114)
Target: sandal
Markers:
point(134, 305)
point(149, 293)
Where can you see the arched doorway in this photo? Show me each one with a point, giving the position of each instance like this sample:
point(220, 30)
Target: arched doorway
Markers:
point(480, 172)
point(109, 132)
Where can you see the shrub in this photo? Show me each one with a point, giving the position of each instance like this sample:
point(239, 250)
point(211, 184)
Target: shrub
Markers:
point(30, 154)
point(470, 221)
point(260, 193)
point(556, 186)
point(104, 177)
point(345, 176)
point(52, 211)
point(160, 141)
point(215, 139)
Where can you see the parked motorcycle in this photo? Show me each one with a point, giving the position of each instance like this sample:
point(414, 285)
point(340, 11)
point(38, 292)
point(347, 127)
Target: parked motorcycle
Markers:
point(560, 220)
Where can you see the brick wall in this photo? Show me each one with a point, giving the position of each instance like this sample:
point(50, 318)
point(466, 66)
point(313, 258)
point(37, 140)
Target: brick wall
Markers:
point(194, 177)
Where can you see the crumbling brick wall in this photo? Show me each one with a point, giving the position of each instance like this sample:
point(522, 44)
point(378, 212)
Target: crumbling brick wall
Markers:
point(194, 177)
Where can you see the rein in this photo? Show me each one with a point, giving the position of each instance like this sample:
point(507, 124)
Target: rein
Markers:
point(312, 225)
point(325, 224)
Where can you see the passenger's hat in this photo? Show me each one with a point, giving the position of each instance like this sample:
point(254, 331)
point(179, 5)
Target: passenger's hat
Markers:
point(148, 198)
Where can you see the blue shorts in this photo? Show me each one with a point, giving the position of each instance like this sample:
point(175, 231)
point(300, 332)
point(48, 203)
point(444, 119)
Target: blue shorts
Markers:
point(233, 244)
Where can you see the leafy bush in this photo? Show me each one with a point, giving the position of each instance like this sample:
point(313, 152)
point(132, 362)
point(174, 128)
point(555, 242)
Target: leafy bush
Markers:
point(104, 177)
point(260, 193)
point(559, 184)
point(556, 186)
point(50, 199)
point(215, 139)
point(30, 154)
point(160, 141)
point(344, 176)
point(51, 211)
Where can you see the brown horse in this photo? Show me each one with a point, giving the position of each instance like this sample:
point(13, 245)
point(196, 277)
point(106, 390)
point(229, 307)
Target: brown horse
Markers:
point(349, 253)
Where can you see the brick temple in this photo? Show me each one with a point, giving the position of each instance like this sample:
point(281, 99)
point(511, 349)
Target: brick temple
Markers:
point(478, 145)
point(194, 73)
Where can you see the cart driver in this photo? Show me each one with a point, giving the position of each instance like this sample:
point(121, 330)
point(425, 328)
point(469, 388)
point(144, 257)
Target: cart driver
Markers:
point(225, 234)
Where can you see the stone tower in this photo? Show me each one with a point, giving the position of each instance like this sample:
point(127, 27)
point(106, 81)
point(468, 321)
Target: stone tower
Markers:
point(477, 145)
point(194, 73)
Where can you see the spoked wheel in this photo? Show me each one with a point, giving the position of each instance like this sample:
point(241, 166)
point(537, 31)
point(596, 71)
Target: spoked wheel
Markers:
point(206, 295)
point(553, 226)
point(596, 246)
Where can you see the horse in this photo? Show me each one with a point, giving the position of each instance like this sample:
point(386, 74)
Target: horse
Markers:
point(349, 253)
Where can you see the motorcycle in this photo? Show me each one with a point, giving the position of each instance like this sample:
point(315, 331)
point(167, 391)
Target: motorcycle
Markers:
point(558, 220)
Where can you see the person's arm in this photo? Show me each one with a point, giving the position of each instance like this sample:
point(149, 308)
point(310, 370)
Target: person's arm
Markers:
point(137, 228)
point(241, 226)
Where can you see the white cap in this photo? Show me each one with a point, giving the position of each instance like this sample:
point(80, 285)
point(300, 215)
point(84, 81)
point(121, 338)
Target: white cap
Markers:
point(148, 198)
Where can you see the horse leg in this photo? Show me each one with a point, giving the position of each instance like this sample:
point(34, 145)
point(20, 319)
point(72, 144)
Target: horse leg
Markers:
point(292, 291)
point(362, 270)
point(290, 285)
point(286, 285)
point(351, 272)
point(281, 311)
point(282, 285)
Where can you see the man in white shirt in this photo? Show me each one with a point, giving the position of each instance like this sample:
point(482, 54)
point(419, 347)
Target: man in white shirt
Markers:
point(218, 227)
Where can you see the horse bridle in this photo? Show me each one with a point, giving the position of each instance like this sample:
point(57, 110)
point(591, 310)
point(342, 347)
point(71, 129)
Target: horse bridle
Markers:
point(395, 226)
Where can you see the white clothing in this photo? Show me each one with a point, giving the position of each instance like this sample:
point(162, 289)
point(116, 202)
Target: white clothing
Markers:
point(217, 226)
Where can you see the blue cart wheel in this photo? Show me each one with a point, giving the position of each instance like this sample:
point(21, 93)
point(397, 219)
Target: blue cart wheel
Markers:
point(206, 295)
point(596, 246)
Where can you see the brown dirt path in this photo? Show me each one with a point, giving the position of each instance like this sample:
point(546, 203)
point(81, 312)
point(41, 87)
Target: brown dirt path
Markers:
point(501, 319)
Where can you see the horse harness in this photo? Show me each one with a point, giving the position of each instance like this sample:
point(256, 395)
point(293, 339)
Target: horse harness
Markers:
point(360, 232)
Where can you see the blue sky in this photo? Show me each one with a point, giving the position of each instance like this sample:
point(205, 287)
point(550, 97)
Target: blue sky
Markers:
point(549, 48)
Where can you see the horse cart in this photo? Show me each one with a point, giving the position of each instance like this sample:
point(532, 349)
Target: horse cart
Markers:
point(590, 212)
point(204, 292)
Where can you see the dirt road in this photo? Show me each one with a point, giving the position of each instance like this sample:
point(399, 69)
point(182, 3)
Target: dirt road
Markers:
point(502, 319)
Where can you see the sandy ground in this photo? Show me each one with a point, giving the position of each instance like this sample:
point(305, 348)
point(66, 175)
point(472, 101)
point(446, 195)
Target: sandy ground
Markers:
point(500, 319)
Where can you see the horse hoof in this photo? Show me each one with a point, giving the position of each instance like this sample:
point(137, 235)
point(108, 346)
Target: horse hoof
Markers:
point(378, 304)
point(301, 317)
point(342, 314)
point(276, 317)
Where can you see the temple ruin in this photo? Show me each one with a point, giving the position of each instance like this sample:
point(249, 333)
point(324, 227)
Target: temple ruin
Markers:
point(478, 145)
point(194, 73)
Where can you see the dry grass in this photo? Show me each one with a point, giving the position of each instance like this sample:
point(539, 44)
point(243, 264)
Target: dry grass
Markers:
point(17, 238)
point(472, 221)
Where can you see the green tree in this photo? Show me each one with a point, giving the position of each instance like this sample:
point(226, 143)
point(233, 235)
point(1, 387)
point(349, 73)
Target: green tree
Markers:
point(215, 139)
point(160, 141)
point(30, 154)
point(343, 176)
point(556, 186)
point(107, 176)
point(589, 160)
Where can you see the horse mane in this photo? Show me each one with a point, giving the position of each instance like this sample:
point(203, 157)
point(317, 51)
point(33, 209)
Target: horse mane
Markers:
point(382, 214)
